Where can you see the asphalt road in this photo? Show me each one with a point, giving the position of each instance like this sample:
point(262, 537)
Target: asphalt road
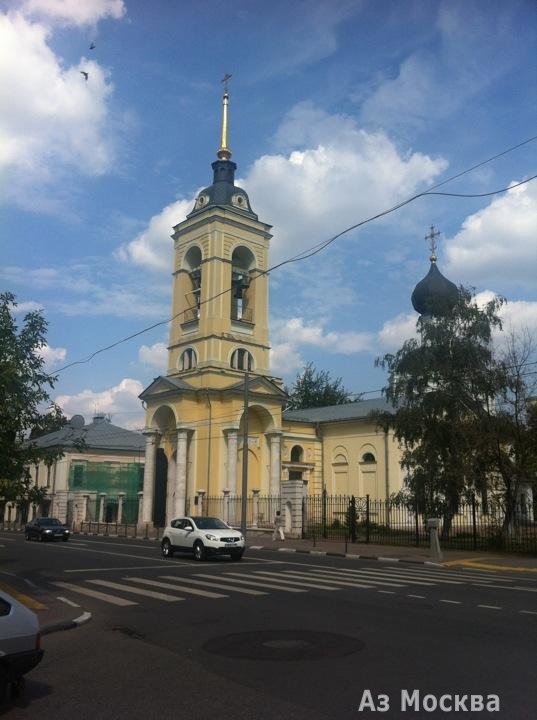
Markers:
point(276, 635)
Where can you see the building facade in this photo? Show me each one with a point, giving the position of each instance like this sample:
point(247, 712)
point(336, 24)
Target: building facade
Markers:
point(218, 364)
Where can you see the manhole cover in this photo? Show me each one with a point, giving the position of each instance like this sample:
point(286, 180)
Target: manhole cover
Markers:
point(283, 645)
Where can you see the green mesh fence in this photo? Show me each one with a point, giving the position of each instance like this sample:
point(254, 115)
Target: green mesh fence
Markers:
point(107, 477)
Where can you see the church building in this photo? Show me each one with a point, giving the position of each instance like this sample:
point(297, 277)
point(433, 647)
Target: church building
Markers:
point(218, 361)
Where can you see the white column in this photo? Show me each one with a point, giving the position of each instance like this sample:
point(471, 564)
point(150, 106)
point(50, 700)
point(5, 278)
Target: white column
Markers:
point(180, 473)
point(201, 495)
point(120, 501)
point(101, 507)
point(151, 439)
point(226, 505)
point(275, 462)
point(255, 508)
point(140, 506)
point(232, 442)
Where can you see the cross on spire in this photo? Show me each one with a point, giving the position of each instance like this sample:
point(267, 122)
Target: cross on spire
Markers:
point(431, 239)
point(225, 79)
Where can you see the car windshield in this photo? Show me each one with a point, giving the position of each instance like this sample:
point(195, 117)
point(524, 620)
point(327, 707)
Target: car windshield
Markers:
point(49, 521)
point(210, 523)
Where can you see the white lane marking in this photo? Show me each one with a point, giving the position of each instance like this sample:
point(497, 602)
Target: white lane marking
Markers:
point(490, 607)
point(6, 539)
point(104, 569)
point(386, 592)
point(135, 590)
point(289, 550)
point(527, 612)
point(178, 587)
point(2, 545)
point(451, 602)
point(416, 578)
point(337, 580)
point(78, 543)
point(294, 580)
point(448, 574)
point(255, 547)
point(220, 586)
point(29, 582)
point(112, 599)
point(81, 619)
point(270, 586)
point(388, 559)
point(420, 597)
point(68, 602)
point(379, 578)
point(506, 587)
point(66, 546)
point(122, 544)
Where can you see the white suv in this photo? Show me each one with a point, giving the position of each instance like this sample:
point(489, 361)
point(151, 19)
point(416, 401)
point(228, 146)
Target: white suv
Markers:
point(202, 536)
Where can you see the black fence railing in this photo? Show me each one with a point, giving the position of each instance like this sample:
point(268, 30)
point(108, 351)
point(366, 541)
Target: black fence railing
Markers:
point(475, 526)
point(260, 511)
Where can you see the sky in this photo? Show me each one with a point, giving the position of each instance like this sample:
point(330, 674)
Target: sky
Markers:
point(338, 110)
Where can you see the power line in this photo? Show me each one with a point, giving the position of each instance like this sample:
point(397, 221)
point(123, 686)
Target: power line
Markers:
point(313, 250)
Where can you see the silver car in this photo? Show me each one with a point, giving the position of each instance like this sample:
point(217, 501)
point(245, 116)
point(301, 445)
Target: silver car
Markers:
point(20, 645)
point(202, 536)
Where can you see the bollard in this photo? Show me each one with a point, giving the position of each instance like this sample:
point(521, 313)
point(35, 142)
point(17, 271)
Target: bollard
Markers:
point(433, 525)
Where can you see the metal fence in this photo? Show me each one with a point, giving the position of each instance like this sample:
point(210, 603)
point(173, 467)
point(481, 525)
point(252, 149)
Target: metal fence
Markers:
point(260, 510)
point(475, 526)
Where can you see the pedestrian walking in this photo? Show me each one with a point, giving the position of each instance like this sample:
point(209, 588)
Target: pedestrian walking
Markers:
point(278, 527)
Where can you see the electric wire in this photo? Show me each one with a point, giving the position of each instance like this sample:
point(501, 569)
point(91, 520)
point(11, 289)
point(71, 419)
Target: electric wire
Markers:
point(315, 249)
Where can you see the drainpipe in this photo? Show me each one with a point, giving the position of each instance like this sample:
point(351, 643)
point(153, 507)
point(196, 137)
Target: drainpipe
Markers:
point(386, 464)
point(209, 440)
point(320, 437)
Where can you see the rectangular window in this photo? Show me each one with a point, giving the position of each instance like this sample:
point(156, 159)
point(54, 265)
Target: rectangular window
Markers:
point(78, 475)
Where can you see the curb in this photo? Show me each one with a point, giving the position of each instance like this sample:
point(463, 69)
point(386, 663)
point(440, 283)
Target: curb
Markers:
point(66, 625)
point(348, 556)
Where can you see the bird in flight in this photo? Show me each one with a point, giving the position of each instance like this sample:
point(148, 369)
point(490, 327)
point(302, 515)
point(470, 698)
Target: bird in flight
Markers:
point(92, 46)
point(86, 75)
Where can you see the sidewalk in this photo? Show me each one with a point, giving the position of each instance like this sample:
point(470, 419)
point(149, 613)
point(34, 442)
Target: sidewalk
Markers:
point(53, 614)
point(397, 553)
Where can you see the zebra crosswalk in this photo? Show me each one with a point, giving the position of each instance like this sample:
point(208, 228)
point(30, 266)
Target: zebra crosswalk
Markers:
point(290, 578)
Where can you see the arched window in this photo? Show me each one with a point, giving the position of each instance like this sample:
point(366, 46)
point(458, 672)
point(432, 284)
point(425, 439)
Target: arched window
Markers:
point(188, 359)
point(242, 263)
point(368, 458)
point(241, 359)
point(297, 454)
point(192, 263)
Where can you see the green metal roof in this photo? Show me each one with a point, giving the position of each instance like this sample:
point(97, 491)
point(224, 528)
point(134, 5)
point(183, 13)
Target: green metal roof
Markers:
point(332, 413)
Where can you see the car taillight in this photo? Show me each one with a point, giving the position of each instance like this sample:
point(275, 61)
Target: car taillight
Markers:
point(38, 641)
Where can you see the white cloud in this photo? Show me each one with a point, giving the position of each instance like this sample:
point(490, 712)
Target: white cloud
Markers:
point(517, 316)
point(153, 247)
point(52, 121)
point(52, 356)
point(75, 12)
point(121, 401)
point(497, 244)
point(394, 332)
point(155, 356)
point(341, 175)
point(285, 359)
point(26, 307)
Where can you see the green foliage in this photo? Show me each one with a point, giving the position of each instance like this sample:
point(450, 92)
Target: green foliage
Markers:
point(351, 520)
point(463, 414)
point(24, 393)
point(313, 388)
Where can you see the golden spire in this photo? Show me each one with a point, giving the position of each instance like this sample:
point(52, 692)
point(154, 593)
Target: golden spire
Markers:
point(224, 153)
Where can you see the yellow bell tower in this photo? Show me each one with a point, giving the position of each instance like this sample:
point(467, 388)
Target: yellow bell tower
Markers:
point(220, 286)
point(218, 354)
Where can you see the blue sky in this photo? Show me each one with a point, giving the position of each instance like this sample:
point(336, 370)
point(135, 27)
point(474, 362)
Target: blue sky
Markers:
point(339, 109)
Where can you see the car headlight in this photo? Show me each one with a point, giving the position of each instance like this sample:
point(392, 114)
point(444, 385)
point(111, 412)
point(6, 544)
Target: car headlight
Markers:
point(241, 538)
point(210, 537)
point(66, 532)
point(48, 531)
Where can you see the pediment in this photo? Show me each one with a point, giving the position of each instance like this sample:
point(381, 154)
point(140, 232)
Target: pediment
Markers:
point(259, 385)
point(162, 385)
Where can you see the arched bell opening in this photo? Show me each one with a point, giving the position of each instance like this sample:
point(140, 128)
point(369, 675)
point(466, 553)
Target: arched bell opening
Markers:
point(192, 285)
point(242, 293)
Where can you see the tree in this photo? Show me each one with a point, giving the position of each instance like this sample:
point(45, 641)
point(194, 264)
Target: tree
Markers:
point(443, 386)
point(313, 388)
point(26, 409)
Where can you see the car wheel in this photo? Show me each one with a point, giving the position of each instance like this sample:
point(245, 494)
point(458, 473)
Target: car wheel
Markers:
point(166, 548)
point(199, 551)
point(236, 556)
point(27, 536)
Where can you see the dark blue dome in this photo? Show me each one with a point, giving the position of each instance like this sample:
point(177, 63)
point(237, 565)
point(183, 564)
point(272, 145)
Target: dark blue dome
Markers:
point(435, 294)
point(223, 191)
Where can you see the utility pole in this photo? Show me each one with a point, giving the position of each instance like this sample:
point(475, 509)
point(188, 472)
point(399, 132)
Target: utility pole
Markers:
point(244, 490)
